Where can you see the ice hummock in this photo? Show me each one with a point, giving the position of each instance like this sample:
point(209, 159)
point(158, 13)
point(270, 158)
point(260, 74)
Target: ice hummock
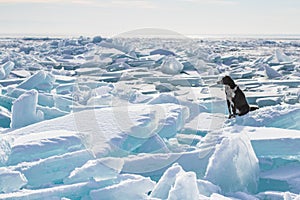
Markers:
point(281, 56)
point(175, 183)
point(185, 187)
point(39, 81)
point(5, 69)
point(271, 73)
point(24, 110)
point(239, 171)
point(166, 182)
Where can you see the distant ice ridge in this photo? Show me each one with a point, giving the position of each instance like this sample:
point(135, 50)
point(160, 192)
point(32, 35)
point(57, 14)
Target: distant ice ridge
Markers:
point(162, 52)
point(24, 110)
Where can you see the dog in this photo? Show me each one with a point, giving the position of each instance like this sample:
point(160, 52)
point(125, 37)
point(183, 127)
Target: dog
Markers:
point(236, 99)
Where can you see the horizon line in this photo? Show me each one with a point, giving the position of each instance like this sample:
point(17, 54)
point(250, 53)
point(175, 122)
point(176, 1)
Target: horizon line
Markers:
point(194, 36)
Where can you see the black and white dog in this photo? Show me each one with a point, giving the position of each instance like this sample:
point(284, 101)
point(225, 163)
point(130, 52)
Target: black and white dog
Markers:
point(236, 100)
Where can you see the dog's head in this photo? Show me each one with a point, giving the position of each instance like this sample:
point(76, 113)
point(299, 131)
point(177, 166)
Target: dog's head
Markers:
point(227, 80)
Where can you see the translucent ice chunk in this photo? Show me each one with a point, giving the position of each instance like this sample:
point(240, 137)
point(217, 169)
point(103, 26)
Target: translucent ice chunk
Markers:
point(5, 69)
point(185, 187)
point(162, 188)
point(234, 166)
point(171, 66)
point(281, 56)
point(271, 73)
point(40, 81)
point(24, 110)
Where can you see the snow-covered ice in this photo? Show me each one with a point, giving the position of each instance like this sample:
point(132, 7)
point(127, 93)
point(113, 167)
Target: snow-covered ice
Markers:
point(24, 110)
point(127, 190)
point(5, 69)
point(185, 187)
point(40, 81)
point(163, 186)
point(143, 118)
point(100, 169)
point(239, 171)
point(11, 181)
point(35, 146)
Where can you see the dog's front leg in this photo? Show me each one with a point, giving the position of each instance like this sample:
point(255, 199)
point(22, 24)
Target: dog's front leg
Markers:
point(229, 109)
point(234, 111)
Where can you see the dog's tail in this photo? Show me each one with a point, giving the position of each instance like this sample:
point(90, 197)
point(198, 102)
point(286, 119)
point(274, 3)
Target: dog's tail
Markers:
point(253, 108)
point(184, 72)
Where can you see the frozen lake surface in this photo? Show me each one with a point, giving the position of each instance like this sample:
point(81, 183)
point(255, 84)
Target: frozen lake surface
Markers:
point(144, 118)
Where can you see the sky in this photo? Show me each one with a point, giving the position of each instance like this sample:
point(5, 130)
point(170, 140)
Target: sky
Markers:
point(113, 17)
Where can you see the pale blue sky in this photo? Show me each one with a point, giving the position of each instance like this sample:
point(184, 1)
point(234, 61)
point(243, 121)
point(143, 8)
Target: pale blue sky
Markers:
point(104, 17)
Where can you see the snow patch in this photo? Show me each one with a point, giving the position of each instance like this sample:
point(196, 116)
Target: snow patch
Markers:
point(127, 190)
point(101, 169)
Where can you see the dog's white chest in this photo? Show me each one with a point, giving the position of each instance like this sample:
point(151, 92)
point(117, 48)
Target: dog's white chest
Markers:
point(230, 93)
